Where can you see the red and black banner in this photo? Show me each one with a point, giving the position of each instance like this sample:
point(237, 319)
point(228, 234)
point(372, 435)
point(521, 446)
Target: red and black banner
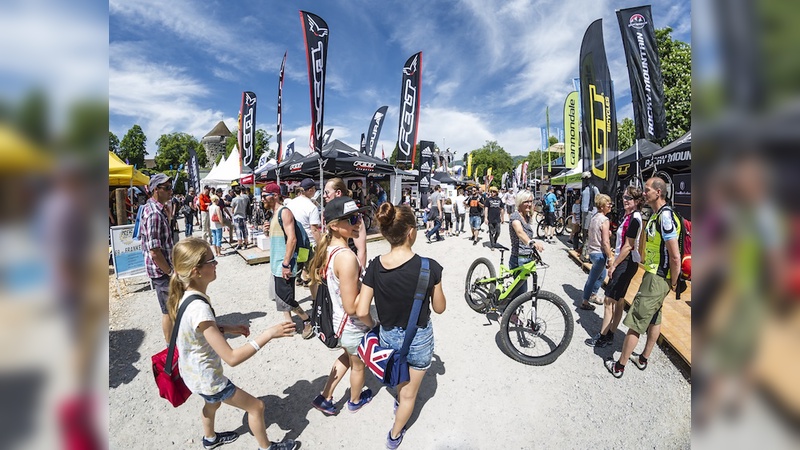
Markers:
point(409, 110)
point(644, 72)
point(374, 130)
point(279, 135)
point(247, 131)
point(598, 113)
point(315, 31)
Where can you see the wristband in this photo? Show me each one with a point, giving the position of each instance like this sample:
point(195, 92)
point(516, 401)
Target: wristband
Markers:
point(285, 266)
point(254, 344)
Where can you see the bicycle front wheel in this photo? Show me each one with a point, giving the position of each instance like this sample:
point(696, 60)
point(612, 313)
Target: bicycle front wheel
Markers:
point(536, 330)
point(477, 292)
point(540, 229)
point(560, 226)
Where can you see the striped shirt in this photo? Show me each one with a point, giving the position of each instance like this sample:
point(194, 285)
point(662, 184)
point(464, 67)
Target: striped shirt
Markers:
point(155, 233)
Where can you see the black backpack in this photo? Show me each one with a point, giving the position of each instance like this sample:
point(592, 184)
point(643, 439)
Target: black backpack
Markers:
point(322, 312)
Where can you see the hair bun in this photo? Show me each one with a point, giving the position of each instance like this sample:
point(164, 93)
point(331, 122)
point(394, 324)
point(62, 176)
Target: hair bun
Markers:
point(385, 215)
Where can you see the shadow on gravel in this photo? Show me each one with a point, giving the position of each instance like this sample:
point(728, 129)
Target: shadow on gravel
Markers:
point(289, 412)
point(427, 389)
point(591, 321)
point(123, 352)
point(239, 318)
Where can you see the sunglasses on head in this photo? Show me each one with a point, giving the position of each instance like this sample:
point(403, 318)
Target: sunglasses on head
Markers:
point(627, 197)
point(353, 220)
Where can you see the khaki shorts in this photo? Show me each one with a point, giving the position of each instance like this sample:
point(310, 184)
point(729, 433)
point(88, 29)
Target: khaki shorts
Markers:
point(646, 307)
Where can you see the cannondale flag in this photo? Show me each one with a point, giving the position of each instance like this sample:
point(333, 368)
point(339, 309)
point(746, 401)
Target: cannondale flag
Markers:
point(374, 130)
point(247, 130)
point(598, 113)
point(572, 134)
point(409, 110)
point(315, 31)
point(644, 72)
point(327, 137)
point(279, 135)
point(194, 170)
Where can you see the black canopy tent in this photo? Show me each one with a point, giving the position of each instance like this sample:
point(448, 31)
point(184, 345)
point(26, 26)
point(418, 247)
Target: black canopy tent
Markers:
point(626, 161)
point(338, 160)
point(444, 177)
point(677, 155)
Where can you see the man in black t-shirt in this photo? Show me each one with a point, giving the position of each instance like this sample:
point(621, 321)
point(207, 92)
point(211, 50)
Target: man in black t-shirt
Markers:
point(493, 215)
point(475, 204)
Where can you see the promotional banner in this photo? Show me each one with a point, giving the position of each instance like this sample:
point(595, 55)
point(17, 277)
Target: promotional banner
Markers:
point(543, 145)
point(469, 165)
point(409, 110)
point(549, 159)
point(572, 146)
point(327, 137)
point(374, 130)
point(598, 113)
point(524, 175)
point(315, 31)
point(363, 146)
point(644, 72)
point(425, 169)
point(127, 253)
point(289, 149)
point(193, 168)
point(247, 131)
point(279, 135)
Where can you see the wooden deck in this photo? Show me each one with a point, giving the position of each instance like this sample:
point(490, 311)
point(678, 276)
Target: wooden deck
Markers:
point(676, 322)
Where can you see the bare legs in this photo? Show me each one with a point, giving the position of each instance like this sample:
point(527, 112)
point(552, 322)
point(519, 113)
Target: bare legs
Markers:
point(406, 397)
point(340, 367)
point(255, 416)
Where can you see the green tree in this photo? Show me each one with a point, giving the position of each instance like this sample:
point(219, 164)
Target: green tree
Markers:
point(173, 150)
point(552, 140)
point(625, 134)
point(113, 143)
point(133, 147)
point(32, 117)
point(493, 156)
point(262, 144)
point(676, 69)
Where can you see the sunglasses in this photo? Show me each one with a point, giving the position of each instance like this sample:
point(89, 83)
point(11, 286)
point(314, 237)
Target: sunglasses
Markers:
point(212, 261)
point(627, 197)
point(166, 188)
point(353, 220)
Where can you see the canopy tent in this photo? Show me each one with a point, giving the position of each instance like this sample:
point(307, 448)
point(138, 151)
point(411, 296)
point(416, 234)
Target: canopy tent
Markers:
point(338, 160)
point(570, 177)
point(626, 162)
point(444, 177)
point(282, 168)
point(121, 174)
point(272, 163)
point(677, 155)
point(225, 172)
point(19, 154)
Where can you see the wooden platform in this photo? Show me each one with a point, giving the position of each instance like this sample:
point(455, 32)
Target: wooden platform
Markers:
point(676, 322)
point(255, 255)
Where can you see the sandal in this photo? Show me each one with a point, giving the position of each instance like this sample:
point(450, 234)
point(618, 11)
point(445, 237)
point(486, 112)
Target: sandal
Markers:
point(587, 306)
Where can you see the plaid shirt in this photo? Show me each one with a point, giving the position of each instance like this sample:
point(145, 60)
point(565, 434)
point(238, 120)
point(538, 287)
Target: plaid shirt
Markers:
point(155, 233)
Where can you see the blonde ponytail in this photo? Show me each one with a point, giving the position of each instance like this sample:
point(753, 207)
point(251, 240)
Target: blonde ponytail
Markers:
point(320, 257)
point(186, 255)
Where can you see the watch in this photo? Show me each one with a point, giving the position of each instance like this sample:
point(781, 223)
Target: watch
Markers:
point(286, 266)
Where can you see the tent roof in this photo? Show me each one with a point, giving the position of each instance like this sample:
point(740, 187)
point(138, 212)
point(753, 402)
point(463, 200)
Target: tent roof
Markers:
point(121, 174)
point(676, 154)
point(646, 148)
point(220, 129)
point(226, 171)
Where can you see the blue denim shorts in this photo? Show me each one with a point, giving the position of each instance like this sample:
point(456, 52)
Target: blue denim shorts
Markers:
point(421, 351)
point(475, 221)
point(222, 395)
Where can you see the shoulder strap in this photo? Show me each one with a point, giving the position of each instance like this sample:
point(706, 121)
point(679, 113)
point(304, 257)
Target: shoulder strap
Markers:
point(173, 340)
point(280, 219)
point(419, 296)
point(330, 258)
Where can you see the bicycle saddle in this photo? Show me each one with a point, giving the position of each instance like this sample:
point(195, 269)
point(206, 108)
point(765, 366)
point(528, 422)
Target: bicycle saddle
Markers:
point(501, 248)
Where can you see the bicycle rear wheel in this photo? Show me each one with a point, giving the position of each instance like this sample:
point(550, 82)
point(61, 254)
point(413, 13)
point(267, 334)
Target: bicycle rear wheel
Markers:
point(560, 226)
point(540, 229)
point(536, 330)
point(478, 294)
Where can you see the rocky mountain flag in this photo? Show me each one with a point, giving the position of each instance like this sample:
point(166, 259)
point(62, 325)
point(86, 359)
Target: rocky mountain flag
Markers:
point(598, 113)
point(193, 168)
point(644, 72)
point(247, 131)
point(572, 143)
point(315, 32)
point(374, 130)
point(327, 137)
point(409, 110)
point(279, 134)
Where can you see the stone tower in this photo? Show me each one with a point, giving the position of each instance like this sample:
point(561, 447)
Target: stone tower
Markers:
point(214, 142)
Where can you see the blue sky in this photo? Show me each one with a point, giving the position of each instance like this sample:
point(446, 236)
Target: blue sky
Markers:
point(490, 67)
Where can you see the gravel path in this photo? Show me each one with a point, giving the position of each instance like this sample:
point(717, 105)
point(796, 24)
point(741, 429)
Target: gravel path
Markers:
point(473, 397)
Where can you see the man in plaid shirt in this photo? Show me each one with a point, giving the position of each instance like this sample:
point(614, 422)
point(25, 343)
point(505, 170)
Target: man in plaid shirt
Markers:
point(157, 243)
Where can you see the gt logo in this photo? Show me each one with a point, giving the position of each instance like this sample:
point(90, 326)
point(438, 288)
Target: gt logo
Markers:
point(600, 127)
point(407, 118)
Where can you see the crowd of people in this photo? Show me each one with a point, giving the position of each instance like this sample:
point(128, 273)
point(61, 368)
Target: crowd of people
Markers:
point(337, 261)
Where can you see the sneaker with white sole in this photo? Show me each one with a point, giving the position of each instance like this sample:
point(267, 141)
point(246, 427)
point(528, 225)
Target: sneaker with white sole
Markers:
point(286, 444)
point(393, 443)
point(324, 405)
point(611, 365)
point(366, 397)
point(599, 341)
point(635, 358)
point(220, 439)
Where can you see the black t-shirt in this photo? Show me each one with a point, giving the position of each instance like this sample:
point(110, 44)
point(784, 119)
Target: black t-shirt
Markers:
point(495, 208)
point(475, 204)
point(395, 288)
point(189, 200)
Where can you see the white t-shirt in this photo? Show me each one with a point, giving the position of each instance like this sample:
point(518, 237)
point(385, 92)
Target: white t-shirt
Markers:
point(305, 211)
point(214, 211)
point(352, 323)
point(460, 208)
point(200, 365)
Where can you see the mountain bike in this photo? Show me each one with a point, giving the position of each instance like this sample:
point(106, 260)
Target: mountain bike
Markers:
point(536, 327)
point(560, 225)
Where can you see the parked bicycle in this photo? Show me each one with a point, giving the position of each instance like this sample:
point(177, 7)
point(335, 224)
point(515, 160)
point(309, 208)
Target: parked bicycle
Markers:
point(536, 326)
point(561, 222)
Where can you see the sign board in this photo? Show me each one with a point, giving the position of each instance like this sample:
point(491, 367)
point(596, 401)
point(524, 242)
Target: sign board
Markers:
point(127, 253)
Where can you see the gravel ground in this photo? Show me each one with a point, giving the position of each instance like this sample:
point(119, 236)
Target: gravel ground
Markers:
point(473, 396)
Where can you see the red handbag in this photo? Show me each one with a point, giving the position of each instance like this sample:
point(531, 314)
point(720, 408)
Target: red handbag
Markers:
point(165, 365)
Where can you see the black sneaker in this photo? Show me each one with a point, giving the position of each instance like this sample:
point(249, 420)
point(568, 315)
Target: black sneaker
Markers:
point(221, 439)
point(598, 340)
point(287, 444)
point(611, 365)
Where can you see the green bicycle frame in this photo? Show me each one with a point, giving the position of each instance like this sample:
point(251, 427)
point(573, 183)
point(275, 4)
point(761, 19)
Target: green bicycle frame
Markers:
point(520, 275)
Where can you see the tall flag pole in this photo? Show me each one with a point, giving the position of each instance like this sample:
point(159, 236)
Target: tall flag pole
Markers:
point(194, 169)
point(374, 130)
point(247, 132)
point(279, 135)
point(598, 114)
point(409, 110)
point(315, 32)
point(572, 133)
point(547, 114)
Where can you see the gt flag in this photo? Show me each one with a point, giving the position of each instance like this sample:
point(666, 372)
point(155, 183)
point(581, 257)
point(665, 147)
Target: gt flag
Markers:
point(247, 130)
point(374, 130)
point(572, 146)
point(598, 113)
point(315, 31)
point(644, 72)
point(279, 135)
point(409, 110)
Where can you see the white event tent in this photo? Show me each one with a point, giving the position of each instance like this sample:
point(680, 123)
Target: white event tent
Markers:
point(223, 174)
